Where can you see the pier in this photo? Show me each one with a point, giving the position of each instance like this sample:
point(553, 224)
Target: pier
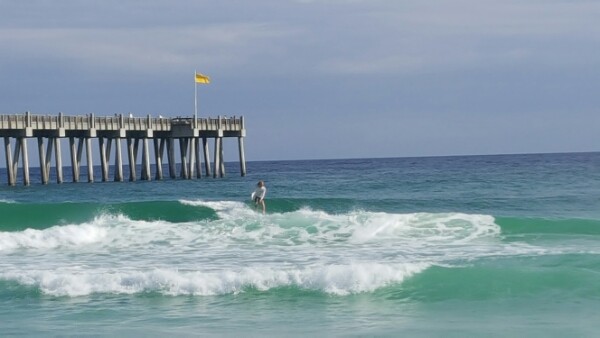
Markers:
point(192, 135)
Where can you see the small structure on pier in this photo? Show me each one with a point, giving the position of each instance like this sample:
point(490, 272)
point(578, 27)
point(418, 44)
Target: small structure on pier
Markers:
point(192, 134)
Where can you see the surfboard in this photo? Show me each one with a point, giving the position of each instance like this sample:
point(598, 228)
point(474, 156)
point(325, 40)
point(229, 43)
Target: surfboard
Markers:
point(252, 196)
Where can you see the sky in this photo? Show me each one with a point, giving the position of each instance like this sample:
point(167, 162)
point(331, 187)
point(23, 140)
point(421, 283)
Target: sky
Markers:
point(318, 79)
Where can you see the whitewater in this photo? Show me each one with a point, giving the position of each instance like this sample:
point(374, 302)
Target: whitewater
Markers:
point(313, 250)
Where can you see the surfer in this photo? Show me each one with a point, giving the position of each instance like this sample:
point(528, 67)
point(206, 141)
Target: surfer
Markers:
point(259, 195)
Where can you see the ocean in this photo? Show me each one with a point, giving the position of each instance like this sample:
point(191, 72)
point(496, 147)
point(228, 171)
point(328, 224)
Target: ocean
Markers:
point(505, 245)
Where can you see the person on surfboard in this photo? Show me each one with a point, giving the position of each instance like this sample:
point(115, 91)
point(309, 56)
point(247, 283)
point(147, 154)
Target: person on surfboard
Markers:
point(259, 195)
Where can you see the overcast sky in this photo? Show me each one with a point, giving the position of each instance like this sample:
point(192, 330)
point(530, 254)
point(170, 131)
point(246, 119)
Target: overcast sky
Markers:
point(320, 79)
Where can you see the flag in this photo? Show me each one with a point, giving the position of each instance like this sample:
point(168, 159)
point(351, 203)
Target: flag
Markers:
point(202, 78)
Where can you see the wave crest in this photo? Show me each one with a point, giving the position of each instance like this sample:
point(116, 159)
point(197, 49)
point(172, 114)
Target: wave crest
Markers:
point(54, 237)
point(332, 279)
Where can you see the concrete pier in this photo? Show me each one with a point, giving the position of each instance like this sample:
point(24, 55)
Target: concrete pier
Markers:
point(192, 137)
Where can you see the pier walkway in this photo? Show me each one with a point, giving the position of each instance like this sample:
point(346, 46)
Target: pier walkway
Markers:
point(192, 135)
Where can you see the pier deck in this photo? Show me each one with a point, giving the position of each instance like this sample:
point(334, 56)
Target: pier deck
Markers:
point(110, 130)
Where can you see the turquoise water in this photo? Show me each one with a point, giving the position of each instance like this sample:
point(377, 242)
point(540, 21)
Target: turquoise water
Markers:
point(447, 246)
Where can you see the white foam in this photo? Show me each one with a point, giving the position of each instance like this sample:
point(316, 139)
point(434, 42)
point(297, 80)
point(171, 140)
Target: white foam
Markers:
point(341, 254)
point(355, 227)
point(239, 224)
point(57, 236)
point(332, 279)
point(116, 231)
point(449, 227)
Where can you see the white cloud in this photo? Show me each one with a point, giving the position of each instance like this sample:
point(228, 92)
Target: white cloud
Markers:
point(141, 49)
point(442, 36)
point(340, 36)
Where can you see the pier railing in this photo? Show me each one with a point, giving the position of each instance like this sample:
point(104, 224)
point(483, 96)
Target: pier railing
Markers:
point(47, 122)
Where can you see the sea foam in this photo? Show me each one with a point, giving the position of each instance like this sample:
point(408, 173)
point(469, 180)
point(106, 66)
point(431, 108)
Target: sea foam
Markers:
point(57, 236)
point(240, 224)
point(356, 226)
point(444, 227)
point(332, 279)
point(339, 254)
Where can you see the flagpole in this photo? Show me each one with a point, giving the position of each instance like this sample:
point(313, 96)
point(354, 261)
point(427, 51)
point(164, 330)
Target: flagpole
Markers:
point(195, 101)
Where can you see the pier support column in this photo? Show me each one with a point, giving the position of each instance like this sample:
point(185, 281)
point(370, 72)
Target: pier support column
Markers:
point(132, 153)
point(158, 154)
point(75, 158)
point(16, 159)
point(23, 142)
point(103, 158)
point(118, 161)
point(58, 160)
point(183, 146)
point(146, 176)
point(9, 162)
point(171, 157)
point(49, 149)
point(242, 156)
point(79, 155)
point(48, 159)
point(109, 142)
point(217, 154)
point(222, 159)
point(90, 164)
point(198, 159)
point(15, 164)
point(45, 158)
point(42, 154)
point(206, 157)
point(192, 170)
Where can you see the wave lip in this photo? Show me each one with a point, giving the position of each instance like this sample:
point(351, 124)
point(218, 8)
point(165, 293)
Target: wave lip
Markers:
point(224, 209)
point(331, 279)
